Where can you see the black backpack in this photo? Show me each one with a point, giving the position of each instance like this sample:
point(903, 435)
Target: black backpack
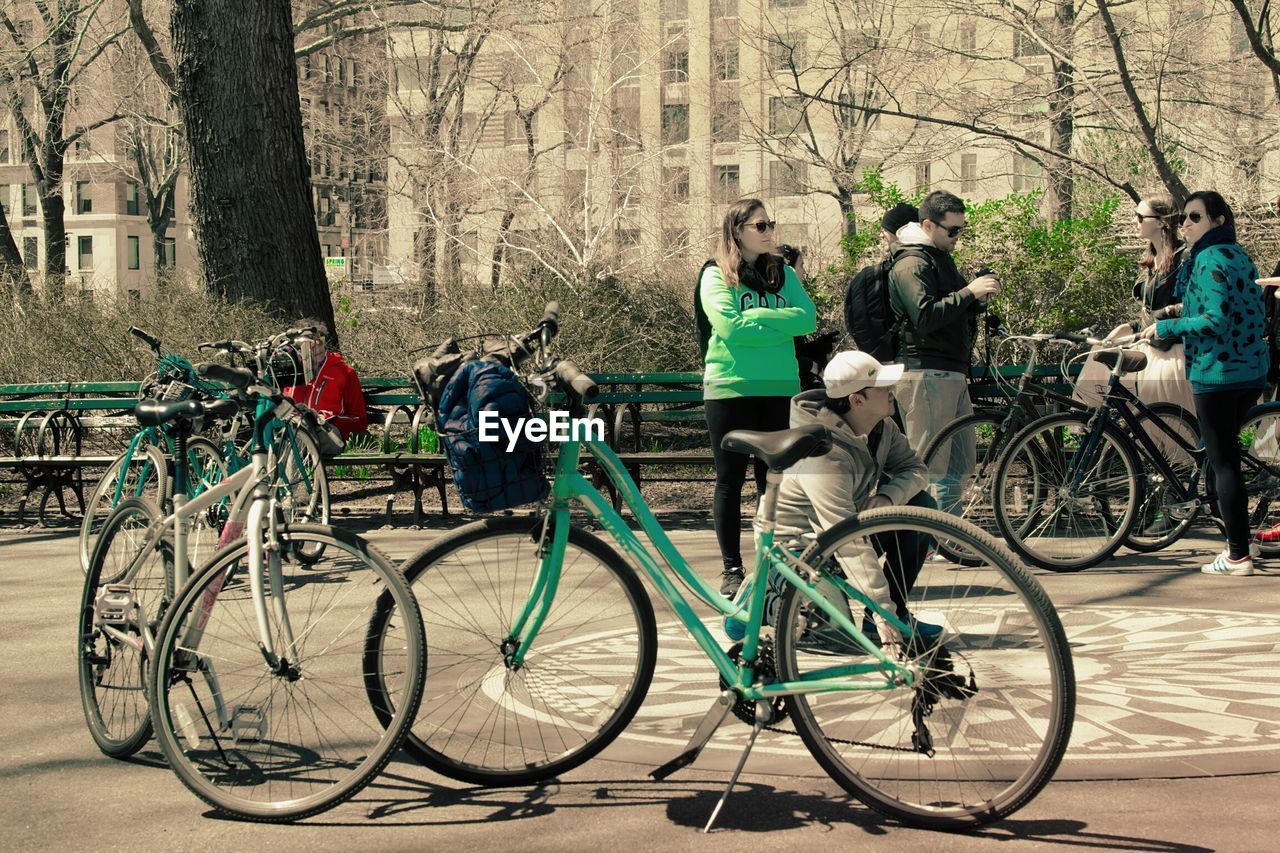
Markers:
point(868, 316)
point(701, 323)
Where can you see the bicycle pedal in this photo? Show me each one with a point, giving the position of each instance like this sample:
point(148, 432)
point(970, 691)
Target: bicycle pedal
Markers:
point(248, 724)
point(115, 605)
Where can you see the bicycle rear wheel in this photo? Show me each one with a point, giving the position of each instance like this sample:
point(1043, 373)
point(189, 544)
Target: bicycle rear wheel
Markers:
point(1160, 521)
point(302, 487)
point(146, 475)
point(112, 671)
point(1056, 516)
point(1260, 463)
point(284, 739)
point(985, 724)
point(487, 723)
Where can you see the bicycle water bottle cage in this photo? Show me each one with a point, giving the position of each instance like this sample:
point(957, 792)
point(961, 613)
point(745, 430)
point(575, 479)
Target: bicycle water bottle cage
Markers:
point(116, 605)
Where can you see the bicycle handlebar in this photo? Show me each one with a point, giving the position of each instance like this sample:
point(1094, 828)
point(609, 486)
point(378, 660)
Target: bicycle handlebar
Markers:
point(154, 343)
point(573, 380)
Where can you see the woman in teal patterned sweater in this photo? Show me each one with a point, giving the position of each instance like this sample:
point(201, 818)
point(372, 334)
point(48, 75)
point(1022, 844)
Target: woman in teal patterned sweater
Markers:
point(1221, 325)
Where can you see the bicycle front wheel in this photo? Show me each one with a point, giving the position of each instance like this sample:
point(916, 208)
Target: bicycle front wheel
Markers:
point(985, 723)
point(960, 490)
point(487, 722)
point(284, 733)
point(110, 651)
point(1064, 501)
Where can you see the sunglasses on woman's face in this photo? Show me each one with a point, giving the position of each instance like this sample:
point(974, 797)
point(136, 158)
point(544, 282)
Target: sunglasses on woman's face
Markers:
point(1144, 216)
point(1194, 217)
point(762, 226)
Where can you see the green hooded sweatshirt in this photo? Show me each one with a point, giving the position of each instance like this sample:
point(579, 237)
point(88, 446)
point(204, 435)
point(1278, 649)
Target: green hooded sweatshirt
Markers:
point(751, 352)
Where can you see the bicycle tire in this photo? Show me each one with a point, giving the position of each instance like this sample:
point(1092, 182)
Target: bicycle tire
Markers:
point(257, 762)
point(112, 674)
point(547, 717)
point(997, 737)
point(153, 467)
point(313, 507)
point(206, 468)
point(1260, 464)
point(974, 503)
point(1155, 492)
point(1046, 444)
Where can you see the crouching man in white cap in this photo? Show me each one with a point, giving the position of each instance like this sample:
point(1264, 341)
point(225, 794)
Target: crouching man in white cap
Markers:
point(871, 465)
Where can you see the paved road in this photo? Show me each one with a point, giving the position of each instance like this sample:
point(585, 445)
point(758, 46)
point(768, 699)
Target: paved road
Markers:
point(1176, 744)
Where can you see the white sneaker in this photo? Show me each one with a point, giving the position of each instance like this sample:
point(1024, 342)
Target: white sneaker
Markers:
point(1224, 565)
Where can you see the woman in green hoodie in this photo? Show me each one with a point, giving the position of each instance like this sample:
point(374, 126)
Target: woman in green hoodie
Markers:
point(756, 307)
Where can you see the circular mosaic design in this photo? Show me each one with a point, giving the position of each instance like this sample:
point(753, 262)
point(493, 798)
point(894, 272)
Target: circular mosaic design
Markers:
point(1151, 683)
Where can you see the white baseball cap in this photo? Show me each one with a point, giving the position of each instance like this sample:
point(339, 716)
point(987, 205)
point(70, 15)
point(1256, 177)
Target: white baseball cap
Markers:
point(855, 370)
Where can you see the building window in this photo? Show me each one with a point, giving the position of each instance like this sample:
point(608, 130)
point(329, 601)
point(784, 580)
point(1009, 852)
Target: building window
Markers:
point(4, 146)
point(30, 252)
point(1028, 175)
point(170, 252)
point(921, 34)
point(785, 115)
point(675, 124)
point(787, 4)
point(726, 187)
point(924, 172)
point(84, 200)
point(969, 36)
point(786, 177)
point(726, 60)
point(306, 67)
point(968, 173)
point(135, 253)
point(724, 9)
point(786, 53)
point(85, 247)
point(675, 10)
point(1025, 44)
point(725, 121)
point(131, 199)
point(626, 115)
point(512, 129)
point(675, 62)
point(135, 298)
point(675, 179)
point(351, 73)
point(28, 199)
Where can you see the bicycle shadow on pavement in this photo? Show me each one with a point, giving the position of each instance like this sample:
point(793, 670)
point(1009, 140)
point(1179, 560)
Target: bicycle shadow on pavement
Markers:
point(754, 807)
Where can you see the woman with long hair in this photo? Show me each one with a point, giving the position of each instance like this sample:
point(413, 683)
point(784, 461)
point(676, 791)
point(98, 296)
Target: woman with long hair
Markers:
point(1221, 325)
point(756, 306)
point(1162, 255)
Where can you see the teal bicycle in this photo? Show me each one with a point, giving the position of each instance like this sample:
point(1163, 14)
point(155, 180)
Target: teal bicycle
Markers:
point(946, 703)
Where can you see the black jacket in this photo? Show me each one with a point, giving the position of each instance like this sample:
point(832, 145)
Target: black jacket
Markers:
point(926, 288)
point(1155, 291)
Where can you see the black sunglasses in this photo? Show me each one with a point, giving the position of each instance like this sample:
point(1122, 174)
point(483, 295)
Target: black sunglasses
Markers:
point(762, 226)
point(953, 230)
point(1142, 216)
point(1194, 217)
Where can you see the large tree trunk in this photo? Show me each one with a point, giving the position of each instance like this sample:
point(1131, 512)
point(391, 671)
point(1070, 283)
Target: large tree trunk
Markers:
point(237, 91)
point(1062, 113)
point(55, 237)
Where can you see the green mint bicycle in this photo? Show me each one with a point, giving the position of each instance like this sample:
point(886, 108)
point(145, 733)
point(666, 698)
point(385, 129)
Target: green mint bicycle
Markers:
point(949, 707)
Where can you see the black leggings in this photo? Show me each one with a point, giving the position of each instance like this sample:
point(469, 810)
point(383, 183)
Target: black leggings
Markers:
point(764, 414)
point(1221, 415)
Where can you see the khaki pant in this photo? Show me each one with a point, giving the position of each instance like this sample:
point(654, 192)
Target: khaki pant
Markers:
point(928, 400)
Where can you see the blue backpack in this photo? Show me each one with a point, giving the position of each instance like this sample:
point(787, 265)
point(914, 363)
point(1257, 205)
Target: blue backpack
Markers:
point(488, 477)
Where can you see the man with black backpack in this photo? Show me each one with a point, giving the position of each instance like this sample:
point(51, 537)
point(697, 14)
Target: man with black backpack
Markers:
point(866, 300)
point(938, 312)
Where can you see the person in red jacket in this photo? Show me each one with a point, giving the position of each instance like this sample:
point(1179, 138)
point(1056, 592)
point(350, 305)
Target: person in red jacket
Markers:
point(335, 391)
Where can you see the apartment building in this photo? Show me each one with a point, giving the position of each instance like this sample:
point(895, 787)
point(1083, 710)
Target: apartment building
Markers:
point(657, 113)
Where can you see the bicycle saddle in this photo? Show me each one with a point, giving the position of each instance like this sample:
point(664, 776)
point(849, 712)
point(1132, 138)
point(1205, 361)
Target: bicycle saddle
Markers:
point(1131, 361)
point(155, 412)
point(782, 449)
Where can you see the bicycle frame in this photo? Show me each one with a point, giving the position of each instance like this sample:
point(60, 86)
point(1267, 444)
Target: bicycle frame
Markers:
point(571, 486)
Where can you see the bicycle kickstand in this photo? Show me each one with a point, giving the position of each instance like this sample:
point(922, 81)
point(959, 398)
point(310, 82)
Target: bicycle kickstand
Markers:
point(733, 780)
point(701, 735)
